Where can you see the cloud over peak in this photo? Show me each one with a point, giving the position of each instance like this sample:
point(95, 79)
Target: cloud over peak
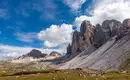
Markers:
point(105, 10)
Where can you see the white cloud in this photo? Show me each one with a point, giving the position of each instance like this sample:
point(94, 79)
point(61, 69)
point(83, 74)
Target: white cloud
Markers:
point(74, 4)
point(26, 37)
point(7, 51)
point(50, 44)
point(106, 9)
point(56, 35)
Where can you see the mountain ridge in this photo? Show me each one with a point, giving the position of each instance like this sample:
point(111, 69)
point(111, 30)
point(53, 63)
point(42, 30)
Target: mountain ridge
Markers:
point(108, 55)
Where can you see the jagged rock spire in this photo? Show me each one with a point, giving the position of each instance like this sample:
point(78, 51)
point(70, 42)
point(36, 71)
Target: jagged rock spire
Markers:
point(114, 26)
point(111, 27)
point(76, 36)
point(69, 49)
point(83, 27)
point(98, 36)
point(86, 32)
point(75, 41)
point(124, 29)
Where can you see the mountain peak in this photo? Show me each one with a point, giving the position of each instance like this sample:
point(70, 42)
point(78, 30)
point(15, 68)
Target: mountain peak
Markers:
point(34, 54)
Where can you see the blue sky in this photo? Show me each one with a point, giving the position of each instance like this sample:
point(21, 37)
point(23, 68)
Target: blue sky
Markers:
point(47, 25)
point(19, 17)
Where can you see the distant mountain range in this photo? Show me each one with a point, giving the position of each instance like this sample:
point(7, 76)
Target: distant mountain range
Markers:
point(35, 55)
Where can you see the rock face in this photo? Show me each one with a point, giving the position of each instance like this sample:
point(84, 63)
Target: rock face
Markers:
point(82, 39)
point(124, 29)
point(99, 37)
point(111, 27)
point(69, 50)
point(111, 53)
point(34, 54)
point(107, 57)
point(75, 41)
point(86, 32)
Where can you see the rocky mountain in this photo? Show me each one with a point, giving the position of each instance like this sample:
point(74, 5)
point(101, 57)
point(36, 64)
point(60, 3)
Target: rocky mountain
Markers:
point(34, 54)
point(100, 47)
point(52, 55)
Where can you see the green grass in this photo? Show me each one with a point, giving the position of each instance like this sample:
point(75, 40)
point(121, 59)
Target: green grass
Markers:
point(77, 74)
